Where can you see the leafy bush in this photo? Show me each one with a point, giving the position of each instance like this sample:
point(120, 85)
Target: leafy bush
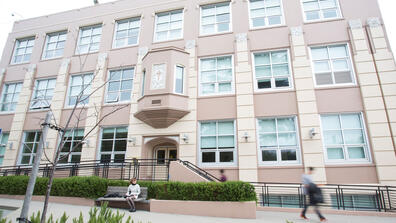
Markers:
point(94, 187)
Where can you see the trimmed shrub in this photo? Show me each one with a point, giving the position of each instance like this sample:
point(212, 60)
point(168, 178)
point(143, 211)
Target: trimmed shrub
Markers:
point(94, 187)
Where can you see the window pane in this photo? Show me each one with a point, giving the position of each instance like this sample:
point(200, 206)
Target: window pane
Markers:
point(268, 140)
point(262, 58)
point(286, 124)
point(351, 121)
point(330, 13)
point(289, 155)
point(356, 153)
point(263, 71)
point(208, 157)
point(122, 133)
point(280, 70)
point(322, 66)
point(335, 153)
point(226, 142)
point(208, 128)
point(119, 158)
point(343, 77)
point(354, 137)
point(107, 146)
point(287, 139)
point(120, 145)
point(76, 158)
point(226, 156)
point(319, 53)
point(263, 84)
point(340, 65)
point(208, 142)
point(338, 51)
point(333, 137)
point(108, 133)
point(105, 158)
point(282, 82)
point(331, 122)
point(312, 15)
point(267, 125)
point(323, 78)
point(268, 155)
point(226, 128)
point(279, 57)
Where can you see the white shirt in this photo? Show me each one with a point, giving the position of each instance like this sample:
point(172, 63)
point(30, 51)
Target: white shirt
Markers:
point(133, 190)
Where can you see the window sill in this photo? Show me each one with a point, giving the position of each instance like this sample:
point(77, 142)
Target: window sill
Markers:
point(214, 34)
point(272, 91)
point(85, 54)
point(216, 96)
point(343, 164)
point(124, 47)
point(280, 166)
point(340, 86)
point(323, 20)
point(18, 64)
point(7, 112)
point(38, 110)
point(167, 41)
point(267, 27)
point(108, 104)
point(51, 59)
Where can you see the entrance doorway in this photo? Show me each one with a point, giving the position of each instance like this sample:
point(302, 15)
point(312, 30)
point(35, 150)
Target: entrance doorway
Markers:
point(164, 153)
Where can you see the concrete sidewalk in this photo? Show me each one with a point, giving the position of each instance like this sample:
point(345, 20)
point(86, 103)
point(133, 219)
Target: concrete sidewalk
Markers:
point(72, 211)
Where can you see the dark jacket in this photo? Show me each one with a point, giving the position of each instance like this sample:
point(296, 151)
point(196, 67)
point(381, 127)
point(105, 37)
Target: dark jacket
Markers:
point(315, 194)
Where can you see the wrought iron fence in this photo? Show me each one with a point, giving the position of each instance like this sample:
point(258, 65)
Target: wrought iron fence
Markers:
point(341, 197)
point(142, 169)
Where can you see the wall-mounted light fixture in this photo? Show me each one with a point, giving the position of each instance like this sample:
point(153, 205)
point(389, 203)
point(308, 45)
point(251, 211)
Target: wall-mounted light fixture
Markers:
point(312, 133)
point(246, 136)
point(132, 140)
point(185, 138)
point(85, 142)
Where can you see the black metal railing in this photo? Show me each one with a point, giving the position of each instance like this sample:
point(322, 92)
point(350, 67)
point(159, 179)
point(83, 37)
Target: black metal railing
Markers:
point(341, 197)
point(142, 169)
point(199, 171)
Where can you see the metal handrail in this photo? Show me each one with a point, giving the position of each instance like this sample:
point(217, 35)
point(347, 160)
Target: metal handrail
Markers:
point(199, 171)
point(336, 196)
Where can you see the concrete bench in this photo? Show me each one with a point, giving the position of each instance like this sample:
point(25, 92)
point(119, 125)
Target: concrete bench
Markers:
point(141, 203)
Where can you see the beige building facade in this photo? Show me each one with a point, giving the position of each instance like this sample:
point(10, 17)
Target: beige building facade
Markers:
point(260, 88)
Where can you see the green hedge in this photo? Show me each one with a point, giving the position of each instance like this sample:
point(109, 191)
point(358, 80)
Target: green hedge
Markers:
point(94, 187)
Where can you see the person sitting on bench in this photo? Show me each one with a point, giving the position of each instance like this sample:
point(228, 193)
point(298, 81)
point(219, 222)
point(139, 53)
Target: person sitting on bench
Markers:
point(132, 194)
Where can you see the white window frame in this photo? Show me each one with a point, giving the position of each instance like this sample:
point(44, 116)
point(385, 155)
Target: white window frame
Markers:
point(266, 18)
point(3, 145)
point(183, 79)
point(217, 83)
point(350, 64)
point(217, 162)
point(168, 31)
point(2, 98)
point(201, 33)
point(112, 153)
point(339, 11)
point(32, 154)
point(17, 46)
point(346, 160)
point(279, 162)
point(143, 82)
point(119, 90)
point(77, 52)
point(49, 35)
point(291, 81)
point(137, 18)
point(34, 94)
point(67, 105)
point(73, 142)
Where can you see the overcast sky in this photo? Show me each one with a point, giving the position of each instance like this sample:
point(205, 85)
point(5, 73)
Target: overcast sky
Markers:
point(12, 10)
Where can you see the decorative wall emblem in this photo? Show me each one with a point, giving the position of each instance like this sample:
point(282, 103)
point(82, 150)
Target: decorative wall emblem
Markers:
point(158, 76)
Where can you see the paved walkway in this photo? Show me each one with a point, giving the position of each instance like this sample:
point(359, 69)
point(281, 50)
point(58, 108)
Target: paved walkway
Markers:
point(143, 216)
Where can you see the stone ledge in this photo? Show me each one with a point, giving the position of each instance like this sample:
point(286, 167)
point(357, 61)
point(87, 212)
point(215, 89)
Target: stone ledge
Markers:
point(54, 199)
point(205, 208)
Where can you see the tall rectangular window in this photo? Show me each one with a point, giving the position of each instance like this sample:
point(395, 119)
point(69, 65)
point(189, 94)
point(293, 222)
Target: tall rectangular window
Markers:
point(113, 144)
point(215, 18)
point(179, 80)
point(54, 45)
point(29, 147)
point(89, 39)
point(23, 50)
point(168, 25)
point(3, 145)
point(71, 151)
point(272, 70)
point(10, 96)
point(143, 83)
point(43, 92)
point(265, 13)
point(119, 87)
point(345, 138)
point(321, 9)
point(79, 90)
point(278, 140)
point(217, 142)
point(127, 32)
point(216, 75)
point(332, 65)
